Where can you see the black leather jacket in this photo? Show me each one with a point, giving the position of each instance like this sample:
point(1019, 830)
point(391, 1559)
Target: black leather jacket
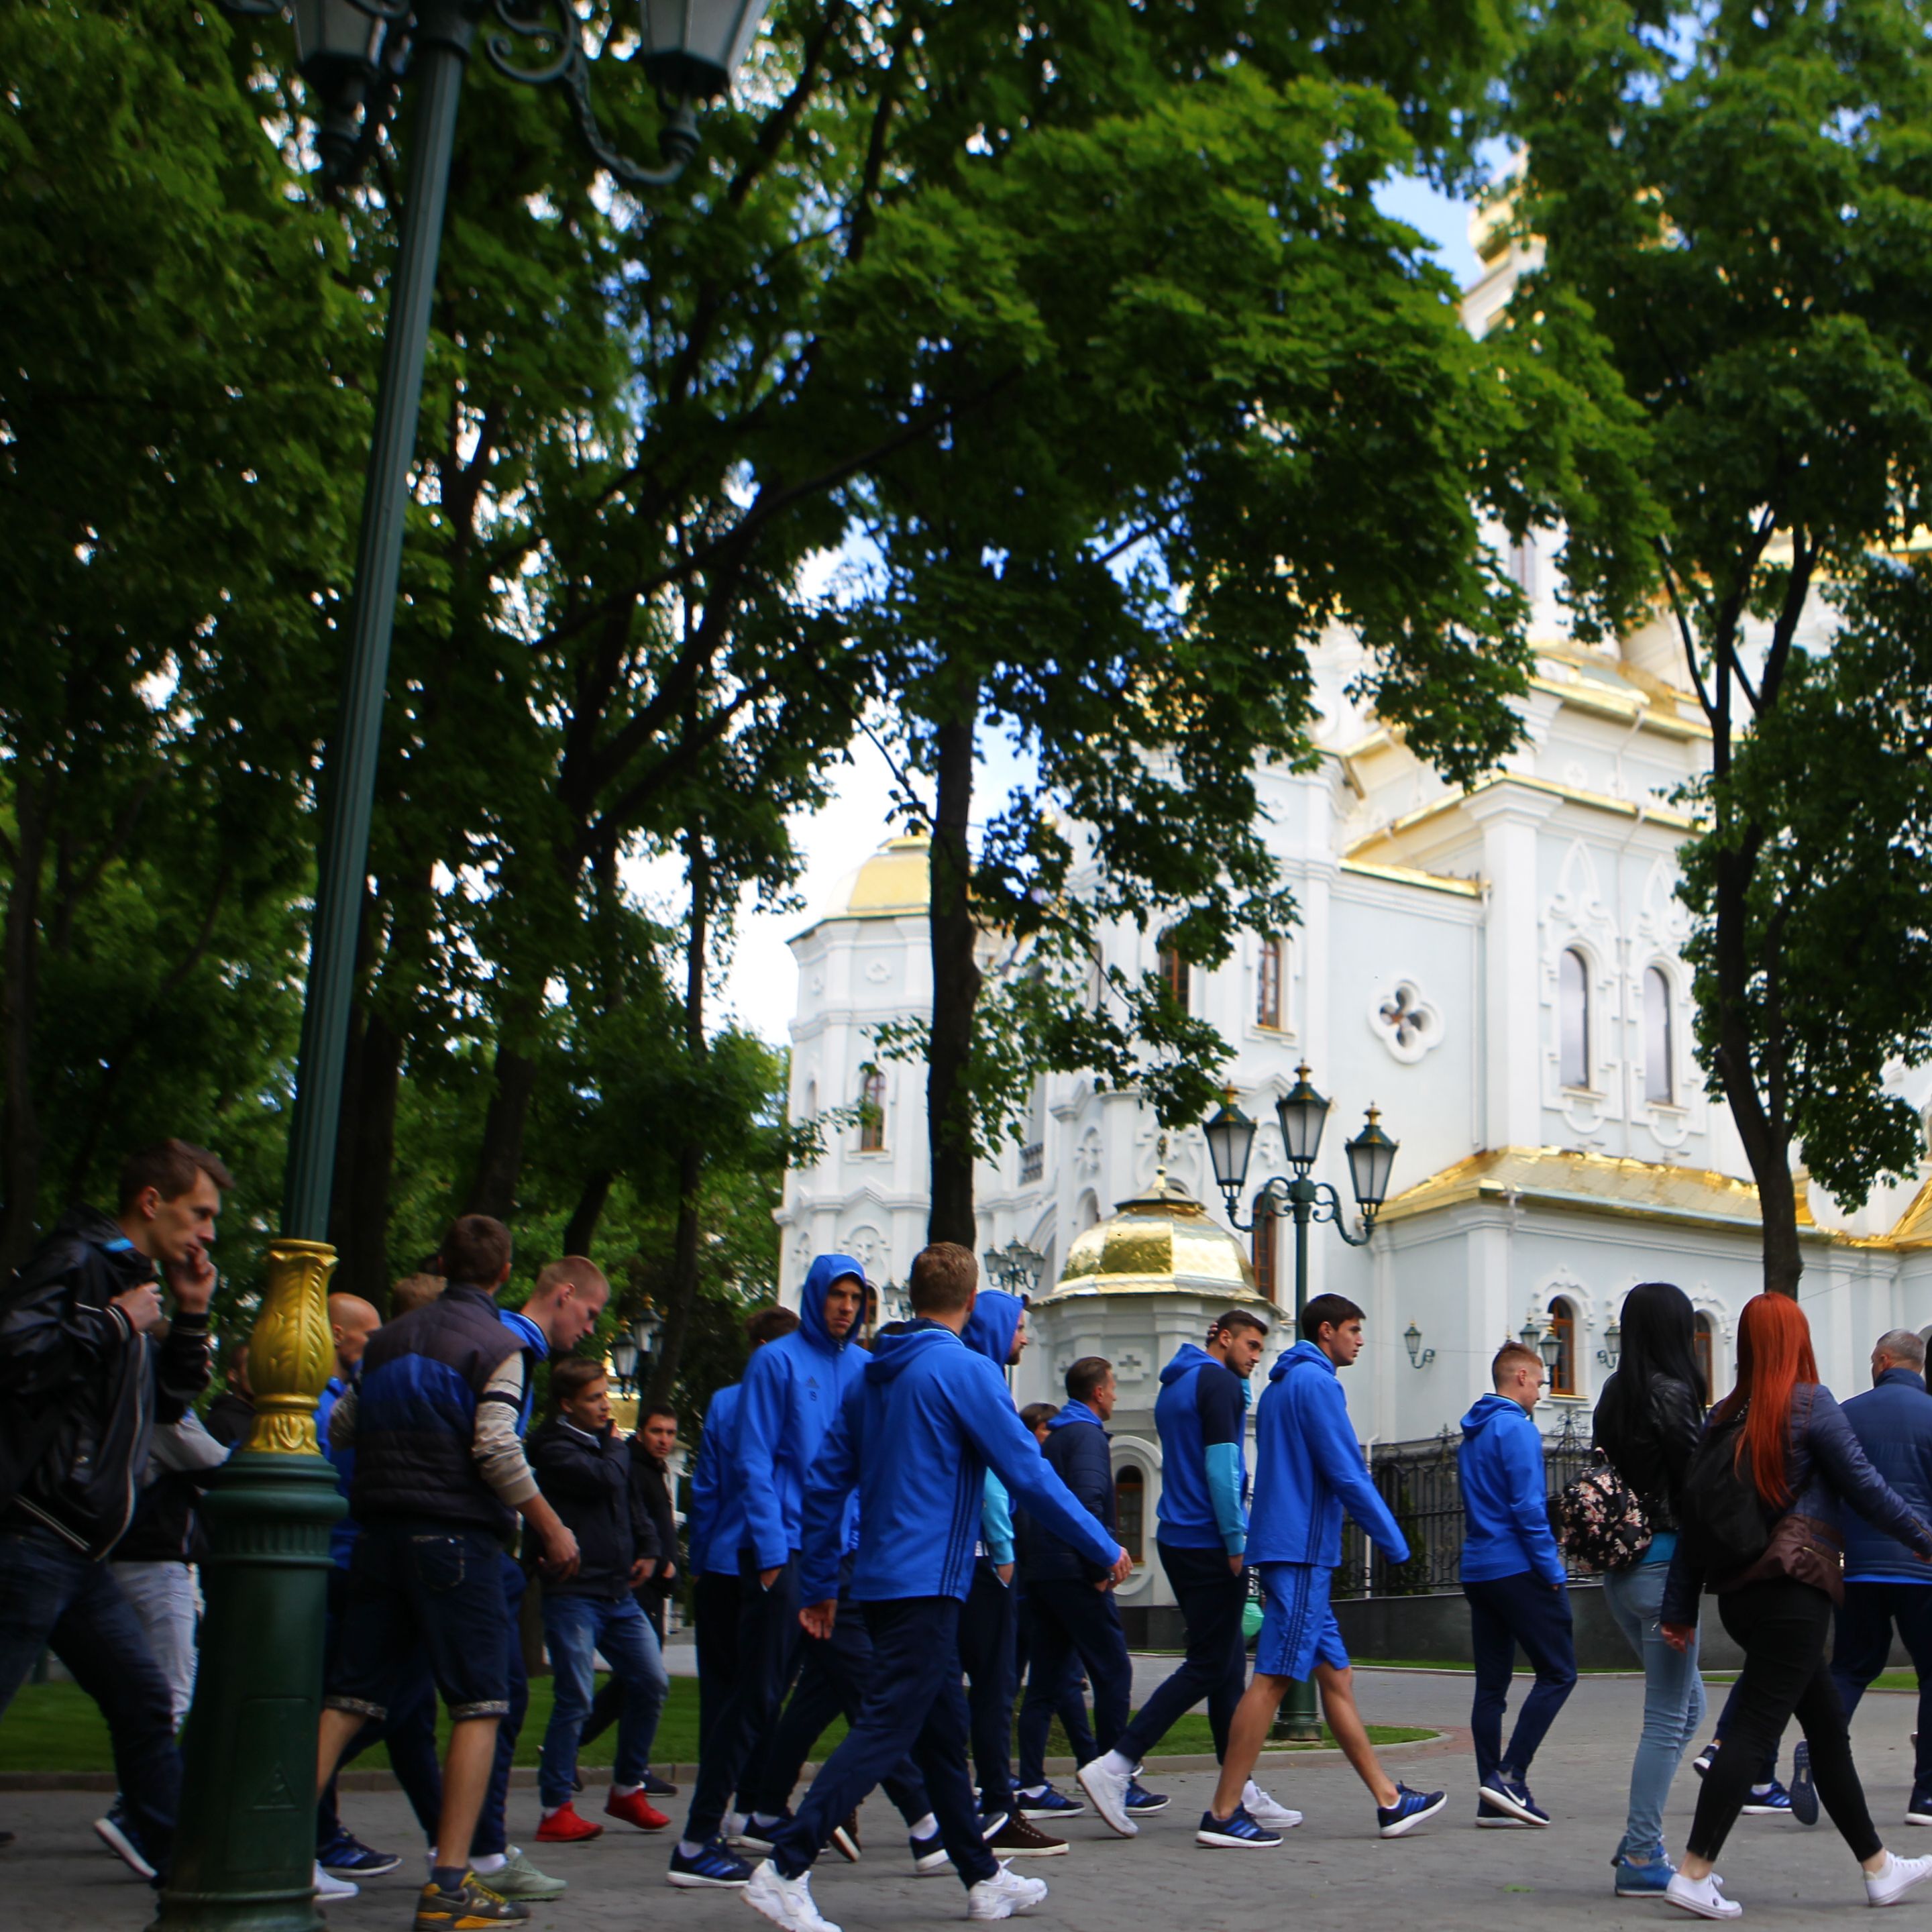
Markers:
point(1651, 1449)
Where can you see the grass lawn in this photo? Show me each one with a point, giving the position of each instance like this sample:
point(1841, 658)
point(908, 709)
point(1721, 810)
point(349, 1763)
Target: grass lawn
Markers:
point(55, 1727)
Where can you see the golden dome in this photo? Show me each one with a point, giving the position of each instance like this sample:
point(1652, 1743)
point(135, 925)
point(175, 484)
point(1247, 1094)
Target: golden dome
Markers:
point(1155, 1244)
point(896, 880)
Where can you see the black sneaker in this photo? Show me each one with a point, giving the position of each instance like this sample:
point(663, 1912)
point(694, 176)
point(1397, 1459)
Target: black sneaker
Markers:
point(1702, 1763)
point(1919, 1811)
point(655, 1787)
point(712, 1864)
point(117, 1832)
point(347, 1856)
point(471, 1907)
point(1142, 1803)
point(1804, 1792)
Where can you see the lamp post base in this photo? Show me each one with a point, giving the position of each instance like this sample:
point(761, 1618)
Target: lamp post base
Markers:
point(1298, 1722)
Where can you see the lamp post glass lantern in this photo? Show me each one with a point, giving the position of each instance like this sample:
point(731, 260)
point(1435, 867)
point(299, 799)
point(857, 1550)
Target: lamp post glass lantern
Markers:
point(1611, 1353)
point(624, 1361)
point(1303, 1113)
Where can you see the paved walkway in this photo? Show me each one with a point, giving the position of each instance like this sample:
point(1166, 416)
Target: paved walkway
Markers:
point(1332, 1872)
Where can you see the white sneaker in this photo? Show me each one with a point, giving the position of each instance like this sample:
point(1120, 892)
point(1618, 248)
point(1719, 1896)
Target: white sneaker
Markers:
point(1266, 1811)
point(1109, 1791)
point(1899, 1875)
point(327, 1886)
point(1703, 1896)
point(1003, 1895)
point(784, 1901)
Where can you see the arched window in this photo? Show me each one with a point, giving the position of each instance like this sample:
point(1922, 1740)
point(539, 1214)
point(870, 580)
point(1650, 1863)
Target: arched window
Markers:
point(1573, 1018)
point(871, 1111)
point(1130, 1509)
point(1266, 1223)
point(1563, 1325)
point(1703, 1338)
point(1270, 983)
point(1659, 1082)
point(1171, 970)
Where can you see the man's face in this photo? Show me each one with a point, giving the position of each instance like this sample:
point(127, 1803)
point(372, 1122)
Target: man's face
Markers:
point(352, 1335)
point(1021, 1338)
point(577, 1308)
point(1525, 1385)
point(843, 1301)
point(1244, 1349)
point(1040, 1434)
point(1342, 1345)
point(177, 1229)
point(589, 1408)
point(1101, 1402)
point(661, 1435)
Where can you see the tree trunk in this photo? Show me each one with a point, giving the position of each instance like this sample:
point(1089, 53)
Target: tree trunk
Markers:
point(581, 1230)
point(956, 991)
point(500, 1163)
point(20, 1140)
point(366, 1164)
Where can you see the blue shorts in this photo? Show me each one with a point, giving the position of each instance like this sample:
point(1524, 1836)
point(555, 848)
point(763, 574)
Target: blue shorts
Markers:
point(1298, 1627)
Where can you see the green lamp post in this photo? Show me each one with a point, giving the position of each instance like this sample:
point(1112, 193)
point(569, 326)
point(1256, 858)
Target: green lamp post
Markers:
point(244, 1847)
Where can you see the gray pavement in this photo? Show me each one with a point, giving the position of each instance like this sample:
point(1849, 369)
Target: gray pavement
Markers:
point(1332, 1872)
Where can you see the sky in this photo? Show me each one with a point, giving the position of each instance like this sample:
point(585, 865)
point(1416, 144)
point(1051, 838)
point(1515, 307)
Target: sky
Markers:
point(761, 984)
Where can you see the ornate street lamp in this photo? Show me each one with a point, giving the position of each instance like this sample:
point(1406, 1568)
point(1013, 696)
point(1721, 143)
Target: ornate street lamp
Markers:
point(243, 1848)
point(1419, 1358)
point(624, 1360)
point(1015, 1268)
point(646, 1330)
point(1549, 1346)
point(1612, 1352)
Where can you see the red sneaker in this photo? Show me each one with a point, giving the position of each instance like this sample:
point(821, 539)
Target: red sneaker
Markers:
point(634, 1808)
point(564, 1827)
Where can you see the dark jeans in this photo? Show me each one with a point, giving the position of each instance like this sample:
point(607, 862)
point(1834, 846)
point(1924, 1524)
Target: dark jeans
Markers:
point(1780, 1628)
point(1212, 1596)
point(492, 1823)
point(1071, 1709)
point(755, 1660)
point(1073, 1619)
point(53, 1598)
point(1504, 1612)
point(988, 1629)
point(913, 1705)
point(1864, 1643)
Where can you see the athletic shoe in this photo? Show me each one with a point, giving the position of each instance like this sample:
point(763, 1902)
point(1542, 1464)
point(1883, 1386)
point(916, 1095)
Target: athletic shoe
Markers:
point(1411, 1808)
point(784, 1901)
point(633, 1807)
point(1003, 1895)
point(564, 1827)
point(1804, 1792)
point(929, 1854)
point(348, 1857)
point(1488, 1818)
point(1512, 1794)
point(1703, 1896)
point(1268, 1811)
point(1142, 1803)
point(655, 1787)
point(517, 1879)
point(329, 1887)
point(1108, 1790)
point(117, 1832)
point(1774, 1802)
point(1702, 1763)
point(1649, 1881)
point(472, 1906)
point(845, 1839)
point(1919, 1811)
point(1017, 1839)
point(990, 1822)
point(1048, 1803)
point(757, 1839)
point(1888, 1886)
point(711, 1863)
point(1237, 1832)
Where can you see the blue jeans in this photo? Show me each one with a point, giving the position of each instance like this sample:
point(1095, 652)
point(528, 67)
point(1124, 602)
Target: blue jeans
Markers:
point(1073, 1619)
point(493, 1823)
point(1673, 1704)
point(53, 1596)
point(1504, 1612)
point(575, 1628)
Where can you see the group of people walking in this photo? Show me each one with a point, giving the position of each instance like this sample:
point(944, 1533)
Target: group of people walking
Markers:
point(877, 1533)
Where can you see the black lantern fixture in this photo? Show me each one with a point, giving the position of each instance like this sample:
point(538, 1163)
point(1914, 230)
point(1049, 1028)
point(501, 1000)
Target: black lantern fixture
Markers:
point(1231, 1139)
point(1549, 1346)
point(1419, 1358)
point(1530, 1336)
point(1612, 1349)
point(624, 1360)
point(1015, 1268)
point(1303, 1114)
point(645, 1331)
point(1371, 1160)
point(692, 47)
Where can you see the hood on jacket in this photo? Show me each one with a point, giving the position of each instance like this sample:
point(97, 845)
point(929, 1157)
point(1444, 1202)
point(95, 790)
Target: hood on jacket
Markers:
point(994, 1322)
point(892, 1355)
point(1075, 1411)
point(1302, 1352)
point(826, 1270)
point(1187, 1358)
point(1487, 1409)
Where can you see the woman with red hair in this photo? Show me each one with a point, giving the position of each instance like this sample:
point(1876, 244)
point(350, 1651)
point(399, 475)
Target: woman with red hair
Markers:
point(1791, 1453)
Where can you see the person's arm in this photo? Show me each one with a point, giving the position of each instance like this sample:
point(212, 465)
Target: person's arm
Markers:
point(564, 1467)
point(499, 1451)
point(52, 1341)
point(996, 1525)
point(822, 1535)
point(181, 1365)
point(185, 1448)
point(1223, 1420)
point(1339, 1456)
point(704, 1475)
point(1528, 1503)
point(1837, 1452)
point(762, 1415)
point(342, 1420)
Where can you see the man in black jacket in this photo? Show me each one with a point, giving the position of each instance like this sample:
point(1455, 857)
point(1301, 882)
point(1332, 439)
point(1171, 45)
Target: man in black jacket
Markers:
point(84, 1380)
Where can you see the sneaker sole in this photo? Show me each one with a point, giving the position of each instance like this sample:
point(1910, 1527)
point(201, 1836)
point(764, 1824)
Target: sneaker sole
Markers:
point(1122, 1826)
point(1026, 1851)
point(575, 1838)
point(1892, 1898)
point(697, 1882)
point(1033, 1816)
point(118, 1842)
point(1918, 1817)
point(1765, 1811)
point(1505, 1824)
point(845, 1845)
point(1274, 1824)
point(932, 1864)
point(1500, 1802)
point(1149, 1810)
point(1415, 1818)
point(1220, 1841)
point(1640, 1892)
point(1701, 1911)
point(379, 1869)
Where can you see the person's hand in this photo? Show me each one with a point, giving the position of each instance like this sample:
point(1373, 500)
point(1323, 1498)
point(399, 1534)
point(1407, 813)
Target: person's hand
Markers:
point(766, 1578)
point(1123, 1568)
point(640, 1572)
point(560, 1555)
point(667, 1573)
point(1678, 1636)
point(141, 1306)
point(1004, 1571)
point(817, 1618)
point(1235, 1564)
point(192, 1279)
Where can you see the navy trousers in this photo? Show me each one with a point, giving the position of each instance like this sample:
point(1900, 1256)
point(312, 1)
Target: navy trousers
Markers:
point(987, 1625)
point(1863, 1644)
point(1071, 1709)
point(1504, 1612)
point(1211, 1596)
point(756, 1658)
point(1070, 1619)
point(492, 1824)
point(913, 1705)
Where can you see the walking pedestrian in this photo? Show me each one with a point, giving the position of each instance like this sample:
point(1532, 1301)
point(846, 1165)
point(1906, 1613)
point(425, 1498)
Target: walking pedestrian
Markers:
point(1649, 1418)
point(1760, 1531)
point(1046, 1800)
point(1513, 1577)
point(1308, 1470)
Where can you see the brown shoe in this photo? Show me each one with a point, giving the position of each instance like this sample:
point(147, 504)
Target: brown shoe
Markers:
point(1017, 1839)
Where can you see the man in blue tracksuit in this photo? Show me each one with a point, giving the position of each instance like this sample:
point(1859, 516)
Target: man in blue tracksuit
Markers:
point(915, 1438)
point(1308, 1470)
point(1513, 1577)
point(791, 1393)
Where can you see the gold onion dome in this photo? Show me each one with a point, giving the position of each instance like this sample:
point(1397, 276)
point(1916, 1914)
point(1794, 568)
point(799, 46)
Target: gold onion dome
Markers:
point(1157, 1243)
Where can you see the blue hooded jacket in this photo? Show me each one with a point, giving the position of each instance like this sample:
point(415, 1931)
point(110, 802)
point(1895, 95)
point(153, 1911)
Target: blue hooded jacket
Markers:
point(1201, 1416)
point(916, 1436)
point(716, 1524)
point(1308, 1469)
point(990, 1329)
point(793, 1388)
point(1893, 1422)
point(1505, 1509)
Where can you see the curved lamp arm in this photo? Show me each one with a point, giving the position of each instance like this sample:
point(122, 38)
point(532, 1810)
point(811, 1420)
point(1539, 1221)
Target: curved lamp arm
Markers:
point(1328, 1207)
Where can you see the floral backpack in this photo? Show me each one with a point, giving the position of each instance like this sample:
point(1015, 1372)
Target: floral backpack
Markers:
point(1598, 1522)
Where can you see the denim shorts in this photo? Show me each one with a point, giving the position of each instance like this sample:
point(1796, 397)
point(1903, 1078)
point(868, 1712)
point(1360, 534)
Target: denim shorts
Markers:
point(1298, 1626)
point(436, 1585)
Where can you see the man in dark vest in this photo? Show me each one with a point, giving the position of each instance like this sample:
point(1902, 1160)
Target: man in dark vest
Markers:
point(440, 1479)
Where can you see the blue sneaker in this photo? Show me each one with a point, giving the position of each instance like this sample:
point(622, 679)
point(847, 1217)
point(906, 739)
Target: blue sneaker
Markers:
point(1773, 1802)
point(1512, 1794)
point(1047, 1803)
point(1236, 1832)
point(346, 1855)
point(1142, 1804)
point(1650, 1881)
point(712, 1864)
point(929, 1854)
point(1804, 1792)
point(1411, 1808)
point(118, 1834)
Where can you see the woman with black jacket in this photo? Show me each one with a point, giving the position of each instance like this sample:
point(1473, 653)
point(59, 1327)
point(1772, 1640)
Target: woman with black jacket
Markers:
point(1648, 1419)
point(1780, 1435)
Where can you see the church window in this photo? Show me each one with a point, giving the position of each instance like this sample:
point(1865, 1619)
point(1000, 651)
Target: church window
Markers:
point(1573, 1018)
point(1172, 971)
point(1703, 1337)
point(871, 1111)
point(1563, 1326)
point(1659, 1083)
point(1270, 974)
point(1266, 1224)
point(1130, 1509)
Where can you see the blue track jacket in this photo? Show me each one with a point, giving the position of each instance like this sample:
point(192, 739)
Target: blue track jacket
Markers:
point(793, 1388)
point(716, 1525)
point(1505, 1509)
point(989, 1331)
point(915, 1437)
point(1893, 1422)
point(1308, 1469)
point(1201, 1416)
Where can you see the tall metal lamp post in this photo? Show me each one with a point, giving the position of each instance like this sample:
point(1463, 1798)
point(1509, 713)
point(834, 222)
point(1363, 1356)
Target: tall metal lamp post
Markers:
point(1302, 1113)
point(244, 1847)
point(1015, 1268)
